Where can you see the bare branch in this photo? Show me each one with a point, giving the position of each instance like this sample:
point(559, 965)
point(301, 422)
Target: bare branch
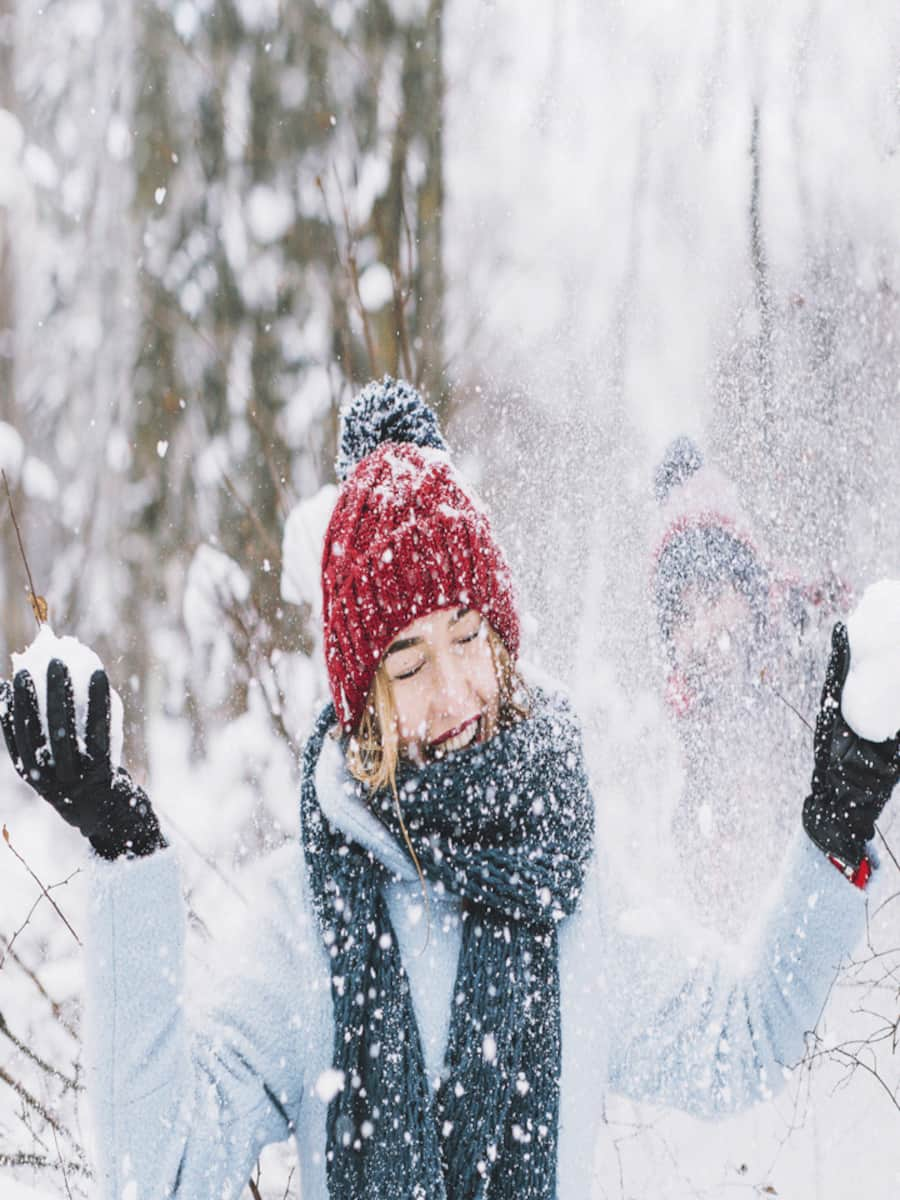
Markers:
point(32, 1102)
point(36, 1059)
point(55, 1007)
point(62, 1165)
point(38, 603)
point(796, 711)
point(273, 547)
point(22, 1158)
point(45, 890)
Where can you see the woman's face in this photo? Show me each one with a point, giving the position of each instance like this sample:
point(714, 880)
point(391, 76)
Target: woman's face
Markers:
point(443, 680)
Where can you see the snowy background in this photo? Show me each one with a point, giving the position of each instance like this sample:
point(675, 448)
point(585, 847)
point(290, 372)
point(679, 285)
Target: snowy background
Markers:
point(584, 228)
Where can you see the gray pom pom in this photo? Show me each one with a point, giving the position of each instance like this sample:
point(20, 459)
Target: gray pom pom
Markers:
point(681, 460)
point(387, 411)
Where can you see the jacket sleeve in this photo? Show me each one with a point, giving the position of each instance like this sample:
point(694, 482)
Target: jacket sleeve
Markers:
point(182, 1107)
point(711, 1035)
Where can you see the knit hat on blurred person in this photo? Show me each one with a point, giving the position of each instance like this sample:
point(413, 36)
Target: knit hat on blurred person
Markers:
point(703, 538)
point(406, 537)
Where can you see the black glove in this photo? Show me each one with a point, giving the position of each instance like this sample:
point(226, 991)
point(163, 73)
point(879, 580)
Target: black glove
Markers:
point(853, 778)
point(111, 811)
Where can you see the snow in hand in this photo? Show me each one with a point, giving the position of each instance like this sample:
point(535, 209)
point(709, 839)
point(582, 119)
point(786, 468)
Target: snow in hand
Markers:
point(871, 698)
point(82, 663)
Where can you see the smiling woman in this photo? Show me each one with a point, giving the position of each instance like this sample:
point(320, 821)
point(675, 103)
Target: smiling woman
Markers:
point(478, 1064)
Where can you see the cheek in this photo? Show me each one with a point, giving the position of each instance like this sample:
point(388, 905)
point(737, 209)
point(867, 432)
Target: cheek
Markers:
point(412, 711)
point(484, 676)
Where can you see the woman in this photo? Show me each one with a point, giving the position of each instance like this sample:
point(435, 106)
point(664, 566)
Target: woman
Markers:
point(433, 1003)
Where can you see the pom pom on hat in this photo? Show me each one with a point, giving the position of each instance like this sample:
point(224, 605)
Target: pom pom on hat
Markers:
point(387, 411)
point(681, 460)
point(703, 536)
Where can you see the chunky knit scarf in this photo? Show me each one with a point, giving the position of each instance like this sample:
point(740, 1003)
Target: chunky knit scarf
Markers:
point(507, 826)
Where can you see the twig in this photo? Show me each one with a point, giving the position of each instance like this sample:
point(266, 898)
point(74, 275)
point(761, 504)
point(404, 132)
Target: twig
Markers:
point(400, 318)
point(36, 1059)
point(354, 279)
point(279, 483)
point(853, 1060)
point(62, 1165)
point(887, 847)
point(273, 547)
point(343, 326)
point(233, 614)
point(287, 1186)
point(22, 1158)
point(55, 1007)
point(38, 603)
point(787, 703)
point(24, 925)
point(45, 890)
point(31, 1101)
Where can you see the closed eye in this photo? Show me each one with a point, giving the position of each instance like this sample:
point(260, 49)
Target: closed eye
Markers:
point(470, 637)
point(409, 674)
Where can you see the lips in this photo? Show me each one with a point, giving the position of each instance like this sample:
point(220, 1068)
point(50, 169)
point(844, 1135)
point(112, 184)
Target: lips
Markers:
point(458, 737)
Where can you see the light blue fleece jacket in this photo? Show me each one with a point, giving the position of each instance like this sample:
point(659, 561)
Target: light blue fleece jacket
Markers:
point(184, 1104)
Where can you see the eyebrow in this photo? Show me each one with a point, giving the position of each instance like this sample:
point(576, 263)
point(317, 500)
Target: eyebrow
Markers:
point(406, 643)
point(402, 644)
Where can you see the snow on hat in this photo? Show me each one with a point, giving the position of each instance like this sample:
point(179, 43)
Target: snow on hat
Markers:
point(406, 537)
point(702, 536)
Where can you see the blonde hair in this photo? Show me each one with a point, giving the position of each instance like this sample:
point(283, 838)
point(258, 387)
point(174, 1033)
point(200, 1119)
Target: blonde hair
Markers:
point(374, 749)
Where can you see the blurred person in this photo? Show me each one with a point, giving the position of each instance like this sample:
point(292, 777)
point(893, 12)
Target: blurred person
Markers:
point(741, 644)
point(429, 997)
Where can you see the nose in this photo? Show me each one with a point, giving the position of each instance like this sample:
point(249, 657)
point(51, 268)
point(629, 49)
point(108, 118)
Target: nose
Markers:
point(453, 687)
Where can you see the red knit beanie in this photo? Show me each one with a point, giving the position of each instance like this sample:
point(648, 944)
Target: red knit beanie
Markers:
point(405, 538)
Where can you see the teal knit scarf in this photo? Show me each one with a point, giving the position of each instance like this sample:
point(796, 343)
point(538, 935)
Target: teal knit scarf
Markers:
point(507, 826)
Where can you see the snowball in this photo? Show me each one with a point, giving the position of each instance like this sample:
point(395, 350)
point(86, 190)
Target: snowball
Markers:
point(301, 552)
point(329, 1084)
point(82, 663)
point(871, 697)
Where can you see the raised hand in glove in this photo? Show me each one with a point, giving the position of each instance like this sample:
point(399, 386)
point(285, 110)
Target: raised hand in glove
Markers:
point(853, 778)
point(102, 802)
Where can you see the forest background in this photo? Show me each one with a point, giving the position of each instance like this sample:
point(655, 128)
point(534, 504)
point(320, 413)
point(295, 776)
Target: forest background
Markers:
point(582, 228)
